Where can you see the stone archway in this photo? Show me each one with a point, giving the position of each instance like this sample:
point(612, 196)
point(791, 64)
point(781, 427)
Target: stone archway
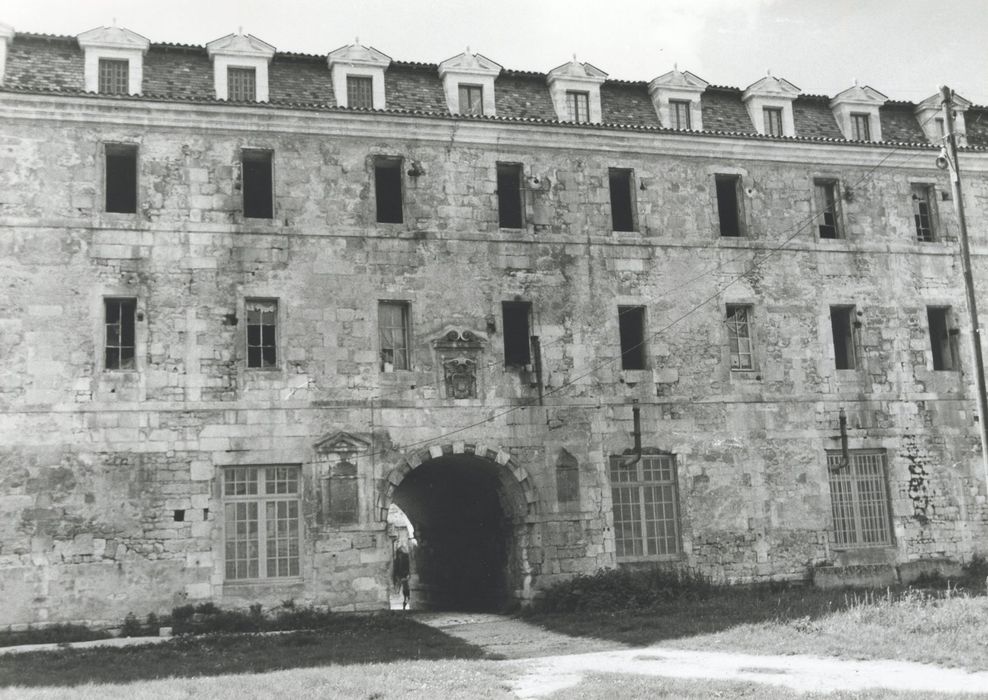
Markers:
point(469, 505)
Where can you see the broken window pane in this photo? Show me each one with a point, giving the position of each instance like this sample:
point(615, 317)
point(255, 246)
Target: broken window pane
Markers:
point(262, 343)
point(120, 337)
point(261, 528)
point(922, 198)
point(739, 337)
point(828, 209)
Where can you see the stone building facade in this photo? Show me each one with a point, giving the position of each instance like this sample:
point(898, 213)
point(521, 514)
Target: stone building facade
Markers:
point(253, 298)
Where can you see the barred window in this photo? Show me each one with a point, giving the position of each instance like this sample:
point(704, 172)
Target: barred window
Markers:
point(114, 76)
point(859, 499)
point(261, 522)
point(359, 91)
point(262, 339)
point(646, 507)
point(241, 84)
point(739, 336)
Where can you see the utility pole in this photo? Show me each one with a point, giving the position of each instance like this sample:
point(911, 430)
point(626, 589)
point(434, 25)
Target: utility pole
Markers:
point(972, 306)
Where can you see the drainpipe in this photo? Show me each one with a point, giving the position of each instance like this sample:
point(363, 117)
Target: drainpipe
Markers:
point(537, 360)
point(636, 457)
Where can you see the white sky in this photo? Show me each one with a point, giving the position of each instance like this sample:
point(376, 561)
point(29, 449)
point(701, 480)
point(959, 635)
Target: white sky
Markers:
point(902, 48)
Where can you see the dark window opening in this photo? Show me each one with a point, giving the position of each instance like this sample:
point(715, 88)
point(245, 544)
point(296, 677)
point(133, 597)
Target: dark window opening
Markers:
point(258, 184)
point(631, 322)
point(679, 113)
point(471, 99)
point(360, 91)
point(205, 513)
point(387, 189)
point(567, 477)
point(828, 209)
point(509, 210)
point(728, 204)
point(119, 343)
point(343, 500)
point(622, 209)
point(114, 76)
point(922, 198)
point(515, 319)
point(842, 324)
point(942, 338)
point(241, 84)
point(179, 516)
point(121, 178)
point(262, 325)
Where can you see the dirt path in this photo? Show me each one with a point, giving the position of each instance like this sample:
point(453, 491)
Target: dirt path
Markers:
point(548, 662)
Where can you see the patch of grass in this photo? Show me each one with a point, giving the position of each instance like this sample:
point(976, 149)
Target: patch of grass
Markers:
point(352, 640)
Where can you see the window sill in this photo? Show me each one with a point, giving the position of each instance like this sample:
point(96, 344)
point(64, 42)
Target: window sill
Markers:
point(643, 559)
point(258, 582)
point(751, 375)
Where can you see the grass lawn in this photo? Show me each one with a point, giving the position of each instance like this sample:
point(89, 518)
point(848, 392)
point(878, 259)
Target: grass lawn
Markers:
point(354, 640)
point(909, 627)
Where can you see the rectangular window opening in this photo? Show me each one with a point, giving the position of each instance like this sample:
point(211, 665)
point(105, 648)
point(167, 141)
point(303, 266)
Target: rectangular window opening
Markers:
point(516, 324)
point(121, 178)
point(923, 212)
point(631, 323)
point(646, 507)
point(729, 204)
point(471, 99)
point(859, 499)
point(241, 84)
point(120, 343)
point(393, 324)
point(739, 337)
point(178, 516)
point(679, 114)
point(360, 92)
point(262, 522)
point(114, 76)
point(943, 338)
point(509, 206)
point(387, 190)
point(860, 127)
point(828, 209)
point(622, 199)
point(258, 184)
point(578, 106)
point(842, 325)
point(773, 120)
point(262, 335)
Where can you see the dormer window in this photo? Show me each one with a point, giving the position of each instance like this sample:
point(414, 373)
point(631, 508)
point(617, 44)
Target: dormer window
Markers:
point(358, 76)
point(575, 91)
point(241, 84)
point(114, 76)
point(679, 114)
point(929, 113)
point(240, 67)
point(769, 104)
point(676, 98)
point(468, 81)
point(471, 99)
point(861, 127)
point(6, 34)
point(114, 60)
point(856, 111)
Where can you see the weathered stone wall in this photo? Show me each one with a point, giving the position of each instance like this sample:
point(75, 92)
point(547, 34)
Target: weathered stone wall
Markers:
point(94, 464)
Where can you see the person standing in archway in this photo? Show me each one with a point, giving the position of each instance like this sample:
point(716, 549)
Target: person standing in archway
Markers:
point(401, 570)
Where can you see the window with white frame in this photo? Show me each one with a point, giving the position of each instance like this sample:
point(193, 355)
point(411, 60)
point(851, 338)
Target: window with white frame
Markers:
point(241, 84)
point(578, 106)
point(392, 319)
point(679, 114)
point(646, 506)
point(360, 91)
point(859, 498)
point(114, 76)
point(739, 336)
point(261, 519)
point(262, 335)
point(773, 120)
point(471, 98)
point(860, 127)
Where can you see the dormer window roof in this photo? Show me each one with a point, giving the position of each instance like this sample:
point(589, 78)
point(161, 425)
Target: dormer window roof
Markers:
point(240, 67)
point(769, 104)
point(468, 81)
point(6, 34)
point(929, 112)
point(575, 91)
point(857, 113)
point(358, 76)
point(676, 98)
point(114, 60)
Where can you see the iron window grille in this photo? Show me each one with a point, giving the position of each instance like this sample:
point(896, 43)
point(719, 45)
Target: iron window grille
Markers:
point(859, 499)
point(241, 84)
point(360, 92)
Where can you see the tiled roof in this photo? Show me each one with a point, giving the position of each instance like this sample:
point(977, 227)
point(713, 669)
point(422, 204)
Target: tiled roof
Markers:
point(47, 63)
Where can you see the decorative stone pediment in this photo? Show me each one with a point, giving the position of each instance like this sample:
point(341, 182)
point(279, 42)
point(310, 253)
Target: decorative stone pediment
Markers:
point(240, 51)
point(6, 34)
point(469, 69)
point(771, 93)
point(114, 43)
point(678, 86)
point(576, 77)
point(359, 62)
point(342, 444)
point(243, 45)
point(856, 102)
point(461, 339)
point(929, 112)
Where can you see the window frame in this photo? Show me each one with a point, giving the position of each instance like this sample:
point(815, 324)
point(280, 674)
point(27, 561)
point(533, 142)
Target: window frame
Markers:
point(275, 365)
point(109, 81)
point(860, 126)
point(260, 500)
point(575, 99)
point(635, 488)
point(256, 207)
point(948, 354)
point(827, 199)
point(734, 339)
point(773, 120)
point(627, 353)
point(359, 87)
point(394, 203)
point(405, 331)
point(850, 350)
point(924, 193)
point(474, 94)
point(680, 116)
point(238, 88)
point(622, 221)
point(120, 346)
point(853, 510)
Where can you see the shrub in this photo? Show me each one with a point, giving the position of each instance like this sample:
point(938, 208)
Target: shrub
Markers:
point(131, 627)
point(183, 613)
point(975, 573)
point(619, 589)
point(207, 609)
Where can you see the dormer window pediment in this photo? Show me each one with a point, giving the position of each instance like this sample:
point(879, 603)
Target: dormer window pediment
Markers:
point(676, 96)
point(240, 67)
point(351, 68)
point(856, 111)
point(574, 86)
point(468, 81)
point(769, 104)
point(929, 113)
point(114, 60)
point(6, 34)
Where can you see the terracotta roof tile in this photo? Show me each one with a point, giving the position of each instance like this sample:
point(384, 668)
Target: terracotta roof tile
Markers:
point(976, 121)
point(183, 74)
point(899, 123)
point(414, 87)
point(627, 103)
point(300, 78)
point(523, 95)
point(724, 111)
point(812, 117)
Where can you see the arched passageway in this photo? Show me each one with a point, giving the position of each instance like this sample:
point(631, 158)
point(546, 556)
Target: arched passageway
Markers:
point(468, 513)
